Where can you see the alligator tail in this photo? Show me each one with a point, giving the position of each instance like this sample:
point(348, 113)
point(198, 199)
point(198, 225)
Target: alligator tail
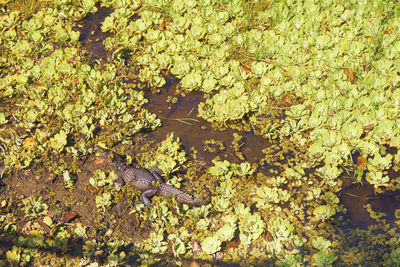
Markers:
point(170, 191)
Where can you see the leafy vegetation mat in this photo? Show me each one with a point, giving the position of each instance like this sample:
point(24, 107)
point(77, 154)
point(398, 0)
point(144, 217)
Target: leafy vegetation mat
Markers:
point(318, 80)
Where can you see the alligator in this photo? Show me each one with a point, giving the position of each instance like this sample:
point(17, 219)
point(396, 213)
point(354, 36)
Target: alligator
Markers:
point(147, 181)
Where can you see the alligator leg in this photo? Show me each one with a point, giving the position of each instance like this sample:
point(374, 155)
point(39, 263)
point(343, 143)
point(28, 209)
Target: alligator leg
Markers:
point(156, 172)
point(119, 182)
point(148, 193)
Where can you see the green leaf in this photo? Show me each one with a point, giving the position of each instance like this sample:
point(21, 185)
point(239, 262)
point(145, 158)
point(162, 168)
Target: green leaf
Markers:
point(59, 141)
point(323, 258)
point(320, 243)
point(258, 68)
point(47, 220)
point(251, 227)
point(211, 245)
point(192, 81)
point(89, 5)
point(3, 119)
point(324, 212)
point(108, 24)
point(69, 179)
point(281, 229)
point(226, 233)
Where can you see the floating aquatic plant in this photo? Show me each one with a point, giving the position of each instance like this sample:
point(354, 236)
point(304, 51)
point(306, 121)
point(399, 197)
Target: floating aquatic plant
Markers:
point(336, 61)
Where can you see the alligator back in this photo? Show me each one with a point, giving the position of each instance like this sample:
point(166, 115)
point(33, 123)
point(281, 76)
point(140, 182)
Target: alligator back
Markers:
point(142, 179)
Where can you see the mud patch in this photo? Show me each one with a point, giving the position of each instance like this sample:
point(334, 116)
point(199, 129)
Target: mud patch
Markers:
point(79, 200)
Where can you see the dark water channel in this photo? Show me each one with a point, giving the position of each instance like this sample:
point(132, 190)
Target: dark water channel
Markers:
point(181, 117)
point(91, 35)
point(355, 197)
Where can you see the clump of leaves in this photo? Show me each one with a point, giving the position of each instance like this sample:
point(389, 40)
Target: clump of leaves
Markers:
point(156, 242)
point(169, 155)
point(267, 196)
point(213, 146)
point(103, 201)
point(101, 179)
point(35, 206)
point(226, 169)
point(69, 179)
point(251, 226)
point(57, 98)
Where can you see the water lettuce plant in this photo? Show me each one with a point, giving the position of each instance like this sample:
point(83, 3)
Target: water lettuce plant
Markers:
point(340, 74)
point(320, 78)
point(58, 92)
point(169, 156)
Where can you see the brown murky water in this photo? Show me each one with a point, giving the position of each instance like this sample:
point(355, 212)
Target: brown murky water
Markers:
point(355, 197)
point(91, 35)
point(194, 133)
